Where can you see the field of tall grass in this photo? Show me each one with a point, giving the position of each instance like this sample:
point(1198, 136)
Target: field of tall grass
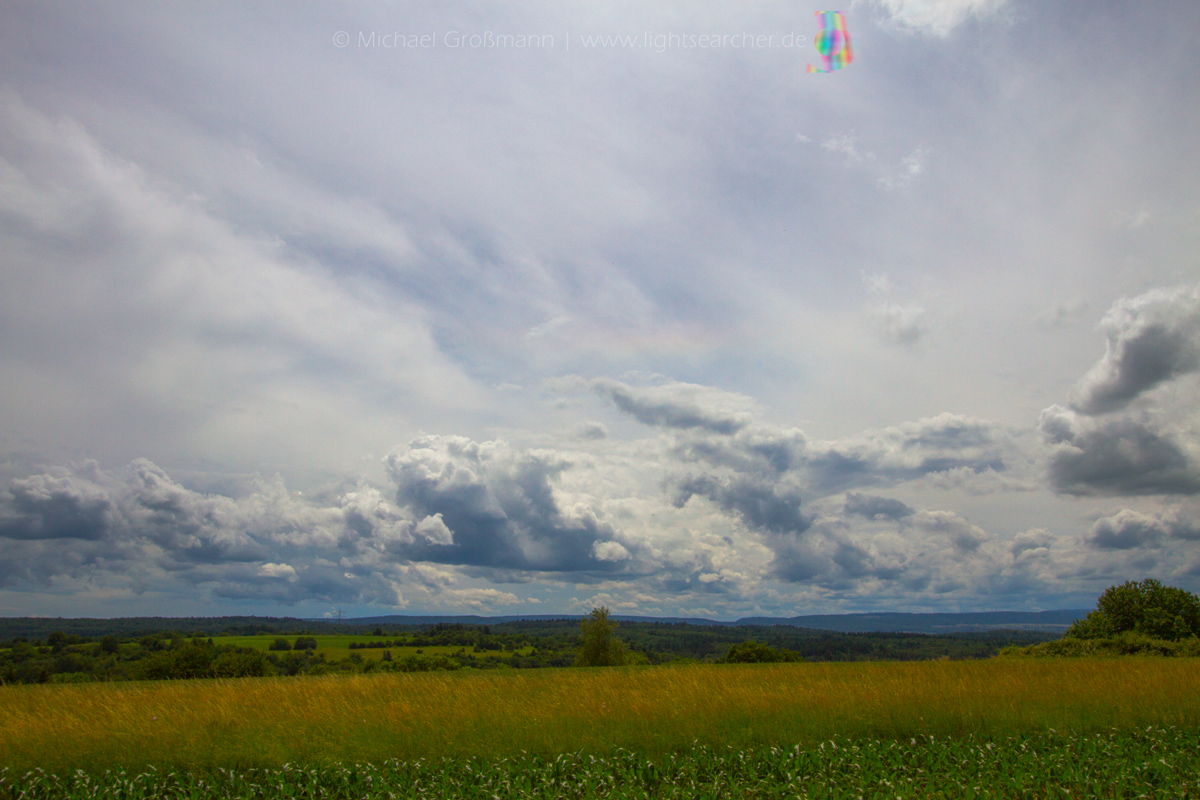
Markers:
point(249, 723)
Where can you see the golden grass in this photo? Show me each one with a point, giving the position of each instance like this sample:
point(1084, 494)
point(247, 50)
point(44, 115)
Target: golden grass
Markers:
point(263, 722)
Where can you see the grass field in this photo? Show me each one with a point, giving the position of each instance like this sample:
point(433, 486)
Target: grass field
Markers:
point(206, 725)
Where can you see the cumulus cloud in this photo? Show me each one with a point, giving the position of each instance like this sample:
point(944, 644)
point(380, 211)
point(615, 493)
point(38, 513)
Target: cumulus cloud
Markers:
point(140, 529)
point(56, 505)
point(610, 551)
point(874, 507)
point(1123, 456)
point(1152, 338)
point(762, 504)
point(1035, 542)
point(497, 506)
point(1128, 529)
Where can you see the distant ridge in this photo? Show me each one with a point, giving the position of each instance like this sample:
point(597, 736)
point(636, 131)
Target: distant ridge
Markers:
point(1054, 622)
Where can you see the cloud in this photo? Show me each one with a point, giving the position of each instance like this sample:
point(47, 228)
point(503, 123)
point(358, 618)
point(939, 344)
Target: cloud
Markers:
point(938, 17)
point(140, 529)
point(761, 504)
point(902, 325)
point(592, 430)
point(906, 452)
point(1128, 529)
point(911, 167)
point(496, 506)
point(56, 505)
point(143, 310)
point(896, 323)
point(1152, 338)
point(538, 331)
point(1033, 542)
point(873, 507)
point(1115, 457)
point(1062, 314)
point(285, 571)
point(610, 551)
point(679, 405)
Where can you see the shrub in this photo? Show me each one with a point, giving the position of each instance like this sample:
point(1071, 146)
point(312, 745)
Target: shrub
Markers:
point(185, 661)
point(280, 644)
point(240, 664)
point(751, 652)
point(306, 643)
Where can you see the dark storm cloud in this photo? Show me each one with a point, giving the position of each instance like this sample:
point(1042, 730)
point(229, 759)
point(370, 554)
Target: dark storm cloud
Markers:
point(874, 507)
point(1152, 339)
point(1117, 457)
point(55, 505)
point(498, 507)
point(672, 406)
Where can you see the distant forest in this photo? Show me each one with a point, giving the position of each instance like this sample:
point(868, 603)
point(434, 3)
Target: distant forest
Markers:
point(149, 648)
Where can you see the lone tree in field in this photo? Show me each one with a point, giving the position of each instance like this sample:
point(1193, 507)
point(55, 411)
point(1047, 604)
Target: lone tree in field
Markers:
point(1149, 608)
point(601, 647)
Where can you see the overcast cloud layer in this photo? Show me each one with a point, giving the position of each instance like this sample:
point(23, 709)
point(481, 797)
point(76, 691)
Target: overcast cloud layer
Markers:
point(552, 307)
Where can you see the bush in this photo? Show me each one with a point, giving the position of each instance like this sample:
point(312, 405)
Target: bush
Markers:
point(280, 644)
point(240, 664)
point(752, 652)
point(1130, 643)
point(306, 643)
point(185, 661)
point(110, 645)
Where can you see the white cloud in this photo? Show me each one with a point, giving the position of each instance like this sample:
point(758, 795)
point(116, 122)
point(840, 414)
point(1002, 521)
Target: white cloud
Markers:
point(939, 17)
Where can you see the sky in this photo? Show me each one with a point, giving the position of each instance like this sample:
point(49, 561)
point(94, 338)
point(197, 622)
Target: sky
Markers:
point(526, 308)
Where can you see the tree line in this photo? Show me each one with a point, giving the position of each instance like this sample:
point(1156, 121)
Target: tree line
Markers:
point(1130, 618)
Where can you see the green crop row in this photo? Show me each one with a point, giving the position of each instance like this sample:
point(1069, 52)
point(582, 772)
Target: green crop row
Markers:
point(1156, 762)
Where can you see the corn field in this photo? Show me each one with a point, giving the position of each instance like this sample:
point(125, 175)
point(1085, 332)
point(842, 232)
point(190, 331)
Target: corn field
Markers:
point(1156, 762)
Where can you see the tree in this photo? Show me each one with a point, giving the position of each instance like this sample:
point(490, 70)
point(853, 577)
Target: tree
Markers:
point(1149, 608)
point(306, 643)
point(244, 663)
point(601, 647)
point(280, 643)
point(110, 645)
